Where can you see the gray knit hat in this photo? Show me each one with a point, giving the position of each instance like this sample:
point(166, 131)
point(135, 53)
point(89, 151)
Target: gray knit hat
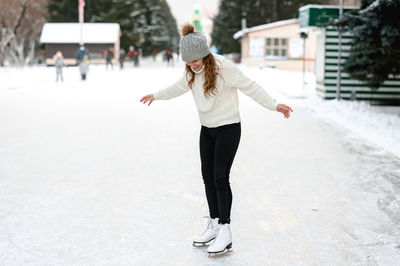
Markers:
point(193, 45)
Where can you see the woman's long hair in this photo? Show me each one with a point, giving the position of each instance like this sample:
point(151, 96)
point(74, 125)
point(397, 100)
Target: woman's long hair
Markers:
point(211, 70)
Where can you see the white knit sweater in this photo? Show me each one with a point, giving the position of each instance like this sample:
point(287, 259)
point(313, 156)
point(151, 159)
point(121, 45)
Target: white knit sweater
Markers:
point(222, 108)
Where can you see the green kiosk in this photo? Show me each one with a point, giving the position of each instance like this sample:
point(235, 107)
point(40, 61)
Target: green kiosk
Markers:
point(318, 18)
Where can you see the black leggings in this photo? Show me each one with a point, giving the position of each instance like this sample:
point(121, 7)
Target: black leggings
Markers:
point(218, 147)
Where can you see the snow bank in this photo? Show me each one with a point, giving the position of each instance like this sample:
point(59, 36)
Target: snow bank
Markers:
point(377, 124)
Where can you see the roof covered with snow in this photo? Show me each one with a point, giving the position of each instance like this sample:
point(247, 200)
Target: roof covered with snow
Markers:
point(70, 33)
point(326, 7)
point(264, 27)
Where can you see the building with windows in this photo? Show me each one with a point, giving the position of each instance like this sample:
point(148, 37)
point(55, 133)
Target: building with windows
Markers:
point(278, 45)
point(66, 37)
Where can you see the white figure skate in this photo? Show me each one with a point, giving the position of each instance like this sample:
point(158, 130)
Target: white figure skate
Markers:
point(209, 233)
point(223, 242)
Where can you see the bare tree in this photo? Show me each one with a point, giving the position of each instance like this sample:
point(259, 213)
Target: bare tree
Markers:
point(21, 22)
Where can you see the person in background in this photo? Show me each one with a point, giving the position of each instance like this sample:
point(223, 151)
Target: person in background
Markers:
point(84, 67)
point(59, 63)
point(80, 54)
point(109, 56)
point(135, 56)
point(169, 56)
point(122, 55)
point(130, 54)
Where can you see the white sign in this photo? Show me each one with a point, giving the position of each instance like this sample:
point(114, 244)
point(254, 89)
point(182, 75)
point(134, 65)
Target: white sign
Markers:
point(295, 48)
point(257, 47)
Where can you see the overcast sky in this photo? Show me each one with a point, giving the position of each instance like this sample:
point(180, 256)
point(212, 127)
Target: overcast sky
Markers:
point(183, 9)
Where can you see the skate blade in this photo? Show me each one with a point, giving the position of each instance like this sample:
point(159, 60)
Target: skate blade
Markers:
point(219, 254)
point(226, 251)
point(199, 244)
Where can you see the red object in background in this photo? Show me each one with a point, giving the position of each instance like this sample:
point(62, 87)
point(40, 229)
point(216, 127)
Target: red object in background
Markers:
point(135, 52)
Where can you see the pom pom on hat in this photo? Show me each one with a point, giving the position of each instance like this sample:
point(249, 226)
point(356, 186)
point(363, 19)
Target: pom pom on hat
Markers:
point(187, 28)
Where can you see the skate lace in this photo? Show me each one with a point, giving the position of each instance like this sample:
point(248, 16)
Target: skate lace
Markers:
point(208, 224)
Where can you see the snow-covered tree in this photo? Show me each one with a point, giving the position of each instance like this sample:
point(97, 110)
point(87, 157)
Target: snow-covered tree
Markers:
point(160, 29)
point(375, 52)
point(148, 24)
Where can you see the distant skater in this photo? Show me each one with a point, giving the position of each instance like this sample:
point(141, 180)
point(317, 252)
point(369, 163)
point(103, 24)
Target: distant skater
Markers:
point(59, 63)
point(109, 57)
point(214, 82)
point(169, 57)
point(84, 67)
point(121, 59)
point(81, 53)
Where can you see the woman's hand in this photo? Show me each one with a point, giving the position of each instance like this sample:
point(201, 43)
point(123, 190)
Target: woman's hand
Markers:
point(148, 98)
point(284, 109)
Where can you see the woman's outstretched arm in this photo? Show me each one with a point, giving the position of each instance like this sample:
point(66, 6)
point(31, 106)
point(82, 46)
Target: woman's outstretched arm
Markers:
point(175, 90)
point(257, 93)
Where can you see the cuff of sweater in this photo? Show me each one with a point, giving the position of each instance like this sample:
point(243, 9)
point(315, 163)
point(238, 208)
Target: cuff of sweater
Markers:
point(156, 96)
point(275, 106)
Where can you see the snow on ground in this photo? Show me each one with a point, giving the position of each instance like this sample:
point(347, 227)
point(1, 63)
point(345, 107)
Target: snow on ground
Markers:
point(90, 176)
point(377, 124)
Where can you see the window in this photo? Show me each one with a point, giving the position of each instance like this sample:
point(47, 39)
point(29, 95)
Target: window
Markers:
point(268, 51)
point(276, 47)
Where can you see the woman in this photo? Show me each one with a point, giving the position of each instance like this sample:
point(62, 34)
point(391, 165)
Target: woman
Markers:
point(214, 81)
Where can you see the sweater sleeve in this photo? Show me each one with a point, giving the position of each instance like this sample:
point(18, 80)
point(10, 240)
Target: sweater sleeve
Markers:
point(252, 89)
point(175, 90)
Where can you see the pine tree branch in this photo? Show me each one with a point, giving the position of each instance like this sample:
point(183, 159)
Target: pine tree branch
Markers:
point(369, 8)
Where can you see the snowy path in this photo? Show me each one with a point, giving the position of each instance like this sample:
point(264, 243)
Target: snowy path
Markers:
point(90, 176)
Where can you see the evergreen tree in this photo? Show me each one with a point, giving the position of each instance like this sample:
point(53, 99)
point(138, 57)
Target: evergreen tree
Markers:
point(67, 10)
point(62, 11)
point(148, 24)
point(123, 12)
point(227, 23)
point(157, 26)
point(95, 10)
point(171, 25)
point(375, 51)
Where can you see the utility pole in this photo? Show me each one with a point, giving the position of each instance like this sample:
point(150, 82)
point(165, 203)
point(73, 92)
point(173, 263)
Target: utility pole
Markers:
point(304, 35)
point(81, 5)
point(339, 72)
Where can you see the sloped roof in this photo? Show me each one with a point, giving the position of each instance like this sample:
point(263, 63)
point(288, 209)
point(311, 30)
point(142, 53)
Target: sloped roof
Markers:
point(70, 33)
point(264, 27)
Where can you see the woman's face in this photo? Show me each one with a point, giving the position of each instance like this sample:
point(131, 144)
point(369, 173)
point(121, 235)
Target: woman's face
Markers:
point(196, 65)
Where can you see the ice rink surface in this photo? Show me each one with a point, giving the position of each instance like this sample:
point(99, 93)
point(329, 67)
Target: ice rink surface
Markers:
point(90, 176)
